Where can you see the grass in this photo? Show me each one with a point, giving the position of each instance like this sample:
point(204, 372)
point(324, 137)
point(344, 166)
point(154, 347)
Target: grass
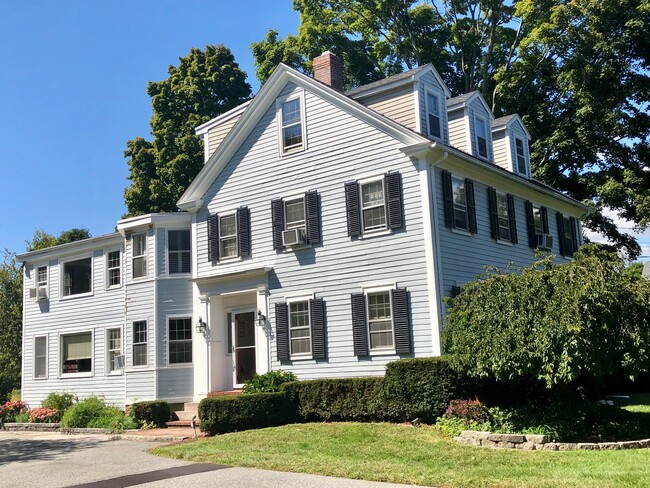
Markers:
point(404, 454)
point(638, 402)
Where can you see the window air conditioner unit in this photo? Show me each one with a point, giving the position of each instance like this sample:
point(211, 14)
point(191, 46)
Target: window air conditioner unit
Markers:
point(38, 294)
point(293, 237)
point(544, 241)
point(118, 361)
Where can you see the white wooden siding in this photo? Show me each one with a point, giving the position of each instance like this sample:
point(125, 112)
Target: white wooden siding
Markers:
point(458, 136)
point(477, 109)
point(396, 104)
point(501, 156)
point(341, 148)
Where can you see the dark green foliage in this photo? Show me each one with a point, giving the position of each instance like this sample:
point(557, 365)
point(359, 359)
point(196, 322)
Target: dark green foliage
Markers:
point(43, 240)
point(11, 319)
point(156, 412)
point(423, 387)
point(268, 382)
point(60, 402)
point(349, 399)
point(556, 323)
point(219, 415)
point(82, 413)
point(112, 418)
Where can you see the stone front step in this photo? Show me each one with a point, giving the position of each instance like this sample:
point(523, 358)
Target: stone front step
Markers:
point(186, 415)
point(223, 393)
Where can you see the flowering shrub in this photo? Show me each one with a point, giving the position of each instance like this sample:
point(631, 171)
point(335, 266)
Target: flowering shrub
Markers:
point(10, 409)
point(44, 415)
point(468, 410)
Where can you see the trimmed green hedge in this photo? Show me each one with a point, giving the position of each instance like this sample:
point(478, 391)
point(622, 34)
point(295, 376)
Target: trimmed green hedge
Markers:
point(232, 413)
point(350, 399)
point(156, 412)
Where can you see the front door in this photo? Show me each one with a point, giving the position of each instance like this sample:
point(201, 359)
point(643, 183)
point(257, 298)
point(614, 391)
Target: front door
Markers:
point(243, 346)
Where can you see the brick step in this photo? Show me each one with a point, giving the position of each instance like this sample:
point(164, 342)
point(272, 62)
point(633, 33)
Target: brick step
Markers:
point(223, 393)
point(181, 423)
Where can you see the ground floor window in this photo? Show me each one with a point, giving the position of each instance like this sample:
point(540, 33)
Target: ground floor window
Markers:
point(40, 357)
point(180, 341)
point(76, 353)
point(114, 349)
point(140, 343)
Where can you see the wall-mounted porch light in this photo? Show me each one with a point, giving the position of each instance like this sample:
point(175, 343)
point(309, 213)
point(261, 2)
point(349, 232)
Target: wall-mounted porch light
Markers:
point(261, 319)
point(201, 326)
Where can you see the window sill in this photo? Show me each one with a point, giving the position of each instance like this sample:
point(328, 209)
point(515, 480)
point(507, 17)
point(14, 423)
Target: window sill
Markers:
point(114, 287)
point(375, 233)
point(75, 375)
point(179, 365)
point(291, 151)
point(77, 295)
point(300, 357)
point(504, 242)
point(382, 352)
point(114, 373)
point(40, 378)
point(461, 232)
point(175, 275)
point(230, 259)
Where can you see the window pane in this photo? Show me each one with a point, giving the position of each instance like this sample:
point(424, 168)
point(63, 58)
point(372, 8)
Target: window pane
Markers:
point(229, 247)
point(77, 353)
point(139, 244)
point(301, 346)
point(295, 213)
point(139, 355)
point(481, 137)
point(40, 357)
point(537, 219)
point(291, 112)
point(292, 136)
point(521, 159)
point(77, 276)
point(139, 267)
point(460, 203)
point(504, 223)
point(299, 314)
point(372, 193)
point(179, 240)
point(374, 218)
point(381, 339)
point(41, 276)
point(227, 226)
point(180, 352)
point(379, 305)
point(434, 115)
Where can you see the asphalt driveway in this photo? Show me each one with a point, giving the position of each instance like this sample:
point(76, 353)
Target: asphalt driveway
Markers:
point(36, 459)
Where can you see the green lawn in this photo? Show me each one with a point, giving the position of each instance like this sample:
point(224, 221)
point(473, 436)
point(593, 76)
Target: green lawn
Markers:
point(638, 402)
point(416, 455)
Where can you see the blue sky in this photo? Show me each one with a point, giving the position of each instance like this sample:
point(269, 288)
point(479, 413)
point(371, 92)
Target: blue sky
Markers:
point(73, 77)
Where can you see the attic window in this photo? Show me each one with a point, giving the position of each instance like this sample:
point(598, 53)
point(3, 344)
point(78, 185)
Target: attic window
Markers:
point(521, 156)
point(481, 137)
point(291, 122)
point(433, 115)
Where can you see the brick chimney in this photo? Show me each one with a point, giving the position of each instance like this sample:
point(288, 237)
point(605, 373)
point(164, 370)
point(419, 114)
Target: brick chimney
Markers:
point(328, 69)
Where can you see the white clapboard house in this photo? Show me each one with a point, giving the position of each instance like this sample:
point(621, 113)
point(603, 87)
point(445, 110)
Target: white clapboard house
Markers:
point(321, 237)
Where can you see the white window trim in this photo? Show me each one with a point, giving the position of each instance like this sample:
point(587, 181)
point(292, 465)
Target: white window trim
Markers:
point(236, 257)
point(516, 161)
point(176, 317)
point(428, 111)
point(487, 138)
point(47, 277)
point(500, 239)
point(177, 275)
point(380, 230)
point(304, 211)
point(133, 343)
point(278, 110)
point(289, 301)
point(145, 255)
point(539, 230)
point(87, 374)
point(453, 203)
point(109, 371)
point(107, 280)
point(385, 351)
point(45, 376)
point(62, 277)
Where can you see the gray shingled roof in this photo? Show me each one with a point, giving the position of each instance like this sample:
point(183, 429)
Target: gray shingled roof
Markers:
point(385, 81)
point(460, 99)
point(503, 120)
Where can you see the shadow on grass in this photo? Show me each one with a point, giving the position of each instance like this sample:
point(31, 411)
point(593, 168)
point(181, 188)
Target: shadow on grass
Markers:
point(26, 450)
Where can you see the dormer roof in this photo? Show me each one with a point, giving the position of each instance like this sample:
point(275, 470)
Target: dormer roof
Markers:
point(464, 100)
point(397, 80)
point(507, 121)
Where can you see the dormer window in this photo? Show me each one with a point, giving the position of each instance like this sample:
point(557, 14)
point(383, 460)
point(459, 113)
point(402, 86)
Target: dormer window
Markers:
point(433, 115)
point(481, 137)
point(291, 121)
point(521, 156)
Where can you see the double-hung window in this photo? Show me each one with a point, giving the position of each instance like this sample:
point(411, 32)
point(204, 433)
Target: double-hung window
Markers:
point(180, 340)
point(503, 223)
point(459, 204)
point(380, 321)
point(40, 357)
point(76, 353)
point(179, 252)
point(480, 127)
point(77, 277)
point(433, 115)
point(229, 235)
point(294, 214)
point(521, 156)
point(139, 261)
point(300, 329)
point(41, 282)
point(537, 222)
point(114, 268)
point(567, 234)
point(140, 343)
point(114, 348)
point(291, 125)
point(375, 204)
point(295, 220)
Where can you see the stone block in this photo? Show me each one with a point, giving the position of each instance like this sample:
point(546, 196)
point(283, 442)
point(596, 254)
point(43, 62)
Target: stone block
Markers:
point(551, 446)
point(630, 444)
point(588, 446)
point(529, 446)
point(489, 443)
point(507, 438)
point(509, 445)
point(536, 438)
point(567, 446)
point(609, 446)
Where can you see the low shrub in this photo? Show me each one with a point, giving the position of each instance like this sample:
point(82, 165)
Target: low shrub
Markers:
point(82, 413)
point(44, 415)
point(22, 417)
point(9, 410)
point(268, 382)
point(155, 412)
point(232, 413)
point(348, 399)
point(453, 426)
point(60, 402)
point(114, 419)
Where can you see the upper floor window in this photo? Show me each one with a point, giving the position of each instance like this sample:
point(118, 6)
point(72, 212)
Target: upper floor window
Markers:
point(139, 256)
point(291, 125)
point(503, 222)
point(459, 205)
point(114, 268)
point(374, 205)
point(481, 137)
point(180, 341)
point(502, 212)
point(521, 156)
point(538, 231)
point(295, 221)
point(77, 277)
point(77, 353)
point(179, 251)
point(567, 234)
point(433, 115)
point(41, 282)
point(229, 235)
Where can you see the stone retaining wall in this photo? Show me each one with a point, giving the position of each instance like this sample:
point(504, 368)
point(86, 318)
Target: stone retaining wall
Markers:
point(528, 442)
point(32, 427)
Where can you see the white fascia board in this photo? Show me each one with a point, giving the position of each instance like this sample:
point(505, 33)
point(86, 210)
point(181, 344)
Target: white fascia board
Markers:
point(239, 274)
point(482, 170)
point(191, 199)
point(70, 248)
point(404, 81)
point(514, 119)
point(220, 119)
point(466, 103)
point(434, 71)
point(155, 220)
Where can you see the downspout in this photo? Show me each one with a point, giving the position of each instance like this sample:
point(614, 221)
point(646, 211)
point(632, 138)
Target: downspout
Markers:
point(155, 313)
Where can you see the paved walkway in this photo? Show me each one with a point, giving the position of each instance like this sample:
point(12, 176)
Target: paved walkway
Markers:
point(43, 459)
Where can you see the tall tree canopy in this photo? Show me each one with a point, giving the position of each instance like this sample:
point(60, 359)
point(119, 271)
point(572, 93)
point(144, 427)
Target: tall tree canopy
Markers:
point(42, 239)
point(205, 84)
point(11, 320)
point(576, 71)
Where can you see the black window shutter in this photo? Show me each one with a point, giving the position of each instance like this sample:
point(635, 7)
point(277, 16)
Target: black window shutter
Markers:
point(560, 231)
point(448, 199)
point(359, 324)
point(401, 321)
point(471, 206)
point(494, 213)
point(282, 331)
point(530, 223)
point(317, 321)
point(244, 231)
point(544, 212)
point(393, 185)
point(312, 217)
point(213, 237)
point(277, 223)
point(512, 218)
point(574, 235)
point(352, 208)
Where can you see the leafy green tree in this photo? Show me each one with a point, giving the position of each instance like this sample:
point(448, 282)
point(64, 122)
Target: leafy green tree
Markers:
point(42, 239)
point(577, 72)
point(553, 322)
point(205, 84)
point(11, 310)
